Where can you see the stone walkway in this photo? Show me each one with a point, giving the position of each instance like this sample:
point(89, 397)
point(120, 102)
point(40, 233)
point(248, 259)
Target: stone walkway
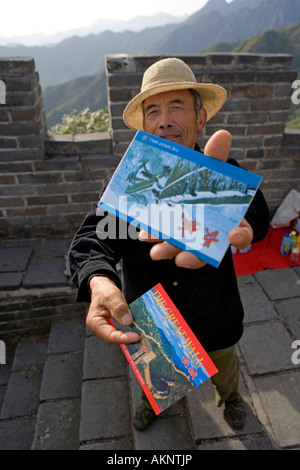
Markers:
point(66, 389)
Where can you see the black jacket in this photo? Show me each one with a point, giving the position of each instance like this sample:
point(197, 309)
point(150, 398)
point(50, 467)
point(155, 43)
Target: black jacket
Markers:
point(208, 298)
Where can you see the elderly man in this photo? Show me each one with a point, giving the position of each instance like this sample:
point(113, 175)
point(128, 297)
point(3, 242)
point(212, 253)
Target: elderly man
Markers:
point(172, 105)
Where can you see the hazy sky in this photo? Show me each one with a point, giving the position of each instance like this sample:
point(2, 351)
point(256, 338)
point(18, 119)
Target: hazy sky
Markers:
point(25, 17)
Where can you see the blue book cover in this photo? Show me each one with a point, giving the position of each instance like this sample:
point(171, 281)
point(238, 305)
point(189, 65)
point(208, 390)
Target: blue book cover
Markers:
point(168, 361)
point(180, 195)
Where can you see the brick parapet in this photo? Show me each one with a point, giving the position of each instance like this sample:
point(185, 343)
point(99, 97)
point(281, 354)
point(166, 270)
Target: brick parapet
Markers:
point(48, 184)
point(259, 96)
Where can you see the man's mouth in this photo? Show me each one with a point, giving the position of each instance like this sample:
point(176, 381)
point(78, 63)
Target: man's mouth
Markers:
point(170, 136)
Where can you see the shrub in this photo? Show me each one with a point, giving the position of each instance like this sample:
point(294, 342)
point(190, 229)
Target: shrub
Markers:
point(83, 122)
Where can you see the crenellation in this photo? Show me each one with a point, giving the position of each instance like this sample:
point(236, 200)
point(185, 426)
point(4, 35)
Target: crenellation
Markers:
point(48, 183)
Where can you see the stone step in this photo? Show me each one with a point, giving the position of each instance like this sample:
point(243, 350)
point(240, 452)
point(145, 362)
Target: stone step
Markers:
point(110, 394)
point(21, 400)
point(58, 415)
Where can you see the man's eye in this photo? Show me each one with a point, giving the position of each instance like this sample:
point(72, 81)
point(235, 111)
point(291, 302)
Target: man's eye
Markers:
point(151, 113)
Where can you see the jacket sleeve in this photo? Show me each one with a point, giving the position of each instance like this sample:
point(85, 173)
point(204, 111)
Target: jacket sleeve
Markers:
point(89, 255)
point(92, 252)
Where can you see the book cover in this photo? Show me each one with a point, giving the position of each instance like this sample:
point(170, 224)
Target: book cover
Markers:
point(168, 361)
point(180, 195)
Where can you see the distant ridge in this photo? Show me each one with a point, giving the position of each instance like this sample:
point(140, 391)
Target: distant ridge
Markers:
point(217, 21)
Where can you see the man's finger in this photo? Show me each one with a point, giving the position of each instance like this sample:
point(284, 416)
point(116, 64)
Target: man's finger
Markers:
point(219, 144)
point(184, 259)
point(148, 237)
point(108, 302)
point(98, 322)
point(241, 236)
point(163, 250)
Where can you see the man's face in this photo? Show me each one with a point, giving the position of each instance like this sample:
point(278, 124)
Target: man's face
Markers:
point(172, 116)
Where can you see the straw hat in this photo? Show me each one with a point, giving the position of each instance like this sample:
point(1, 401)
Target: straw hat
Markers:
point(167, 75)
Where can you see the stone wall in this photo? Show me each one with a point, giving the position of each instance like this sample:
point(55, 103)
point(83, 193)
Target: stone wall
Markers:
point(47, 185)
point(259, 96)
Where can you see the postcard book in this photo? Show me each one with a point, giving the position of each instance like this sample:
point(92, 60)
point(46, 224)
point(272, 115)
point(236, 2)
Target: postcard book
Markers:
point(168, 361)
point(180, 195)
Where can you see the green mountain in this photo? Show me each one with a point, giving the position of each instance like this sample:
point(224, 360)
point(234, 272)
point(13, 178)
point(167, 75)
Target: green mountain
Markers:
point(228, 22)
point(79, 93)
point(217, 21)
point(91, 91)
point(282, 40)
point(78, 62)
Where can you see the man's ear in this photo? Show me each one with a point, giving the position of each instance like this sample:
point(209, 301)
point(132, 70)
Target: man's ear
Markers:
point(201, 120)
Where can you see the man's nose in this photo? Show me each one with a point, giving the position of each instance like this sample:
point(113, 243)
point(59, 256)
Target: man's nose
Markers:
point(165, 122)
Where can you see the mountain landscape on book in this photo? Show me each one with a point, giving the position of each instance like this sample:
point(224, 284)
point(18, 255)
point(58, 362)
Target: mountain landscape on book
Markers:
point(166, 191)
point(159, 355)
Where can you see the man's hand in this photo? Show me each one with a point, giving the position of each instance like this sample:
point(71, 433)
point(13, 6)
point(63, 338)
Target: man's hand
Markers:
point(218, 146)
point(108, 302)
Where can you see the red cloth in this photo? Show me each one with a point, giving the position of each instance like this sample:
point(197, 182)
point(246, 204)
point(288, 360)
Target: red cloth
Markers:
point(264, 255)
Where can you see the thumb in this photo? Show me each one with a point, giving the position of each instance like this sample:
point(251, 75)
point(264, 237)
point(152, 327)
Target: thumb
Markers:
point(107, 297)
point(219, 144)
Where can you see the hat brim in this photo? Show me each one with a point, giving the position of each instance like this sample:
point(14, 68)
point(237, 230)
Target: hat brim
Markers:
point(212, 98)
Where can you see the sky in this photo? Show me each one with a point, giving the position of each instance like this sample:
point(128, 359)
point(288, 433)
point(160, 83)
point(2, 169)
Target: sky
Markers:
point(25, 17)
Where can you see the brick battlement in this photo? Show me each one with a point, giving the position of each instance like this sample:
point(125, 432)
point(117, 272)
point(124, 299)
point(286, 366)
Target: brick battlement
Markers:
point(48, 184)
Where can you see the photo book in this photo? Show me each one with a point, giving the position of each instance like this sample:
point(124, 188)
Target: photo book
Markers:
point(168, 361)
point(180, 195)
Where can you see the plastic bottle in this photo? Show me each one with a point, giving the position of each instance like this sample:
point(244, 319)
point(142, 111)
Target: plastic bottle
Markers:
point(298, 242)
point(293, 239)
point(245, 250)
point(285, 245)
point(294, 256)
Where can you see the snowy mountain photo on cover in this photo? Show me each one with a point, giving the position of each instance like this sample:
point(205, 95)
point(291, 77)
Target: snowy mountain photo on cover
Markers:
point(180, 195)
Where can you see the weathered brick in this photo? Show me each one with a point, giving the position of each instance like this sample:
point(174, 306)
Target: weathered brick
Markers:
point(11, 202)
point(27, 113)
point(20, 128)
point(251, 91)
point(255, 153)
point(15, 167)
point(86, 197)
point(247, 118)
point(276, 76)
point(22, 98)
point(17, 66)
point(247, 142)
point(40, 178)
point(6, 143)
point(270, 105)
point(46, 200)
point(125, 80)
point(21, 83)
point(7, 179)
point(277, 60)
point(266, 129)
point(5, 115)
point(239, 105)
point(31, 141)
point(26, 211)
